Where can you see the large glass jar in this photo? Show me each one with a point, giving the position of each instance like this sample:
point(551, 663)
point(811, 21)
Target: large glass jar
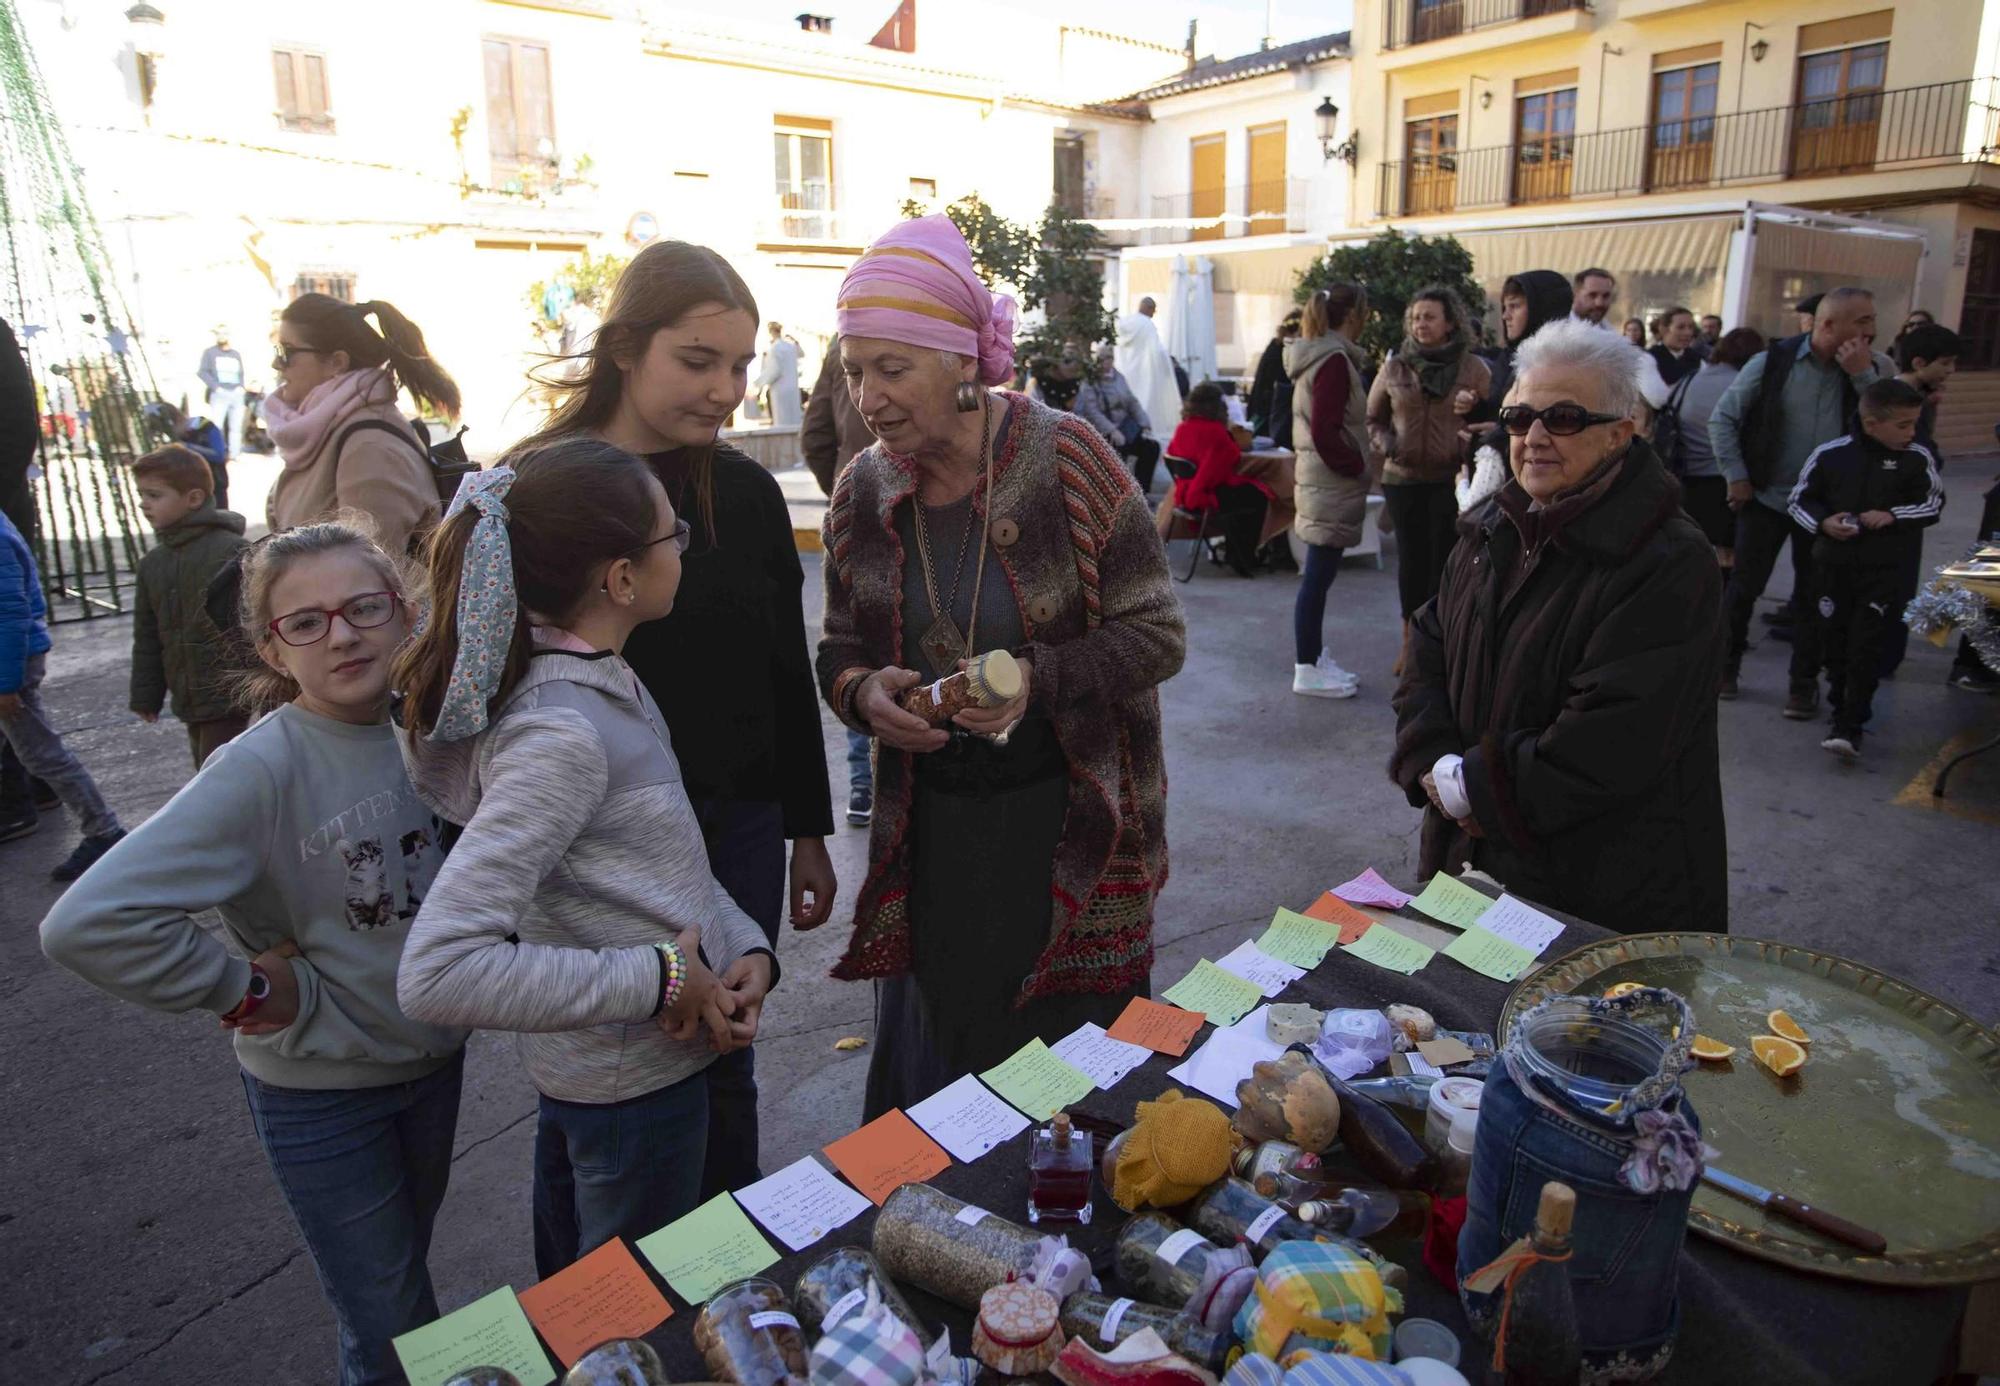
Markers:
point(748, 1335)
point(1104, 1321)
point(954, 1250)
point(836, 1286)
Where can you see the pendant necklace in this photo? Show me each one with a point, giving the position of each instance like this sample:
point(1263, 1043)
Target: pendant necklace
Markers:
point(943, 645)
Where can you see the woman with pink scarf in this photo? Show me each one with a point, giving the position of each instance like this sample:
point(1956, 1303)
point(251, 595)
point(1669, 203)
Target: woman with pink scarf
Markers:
point(337, 425)
point(1015, 853)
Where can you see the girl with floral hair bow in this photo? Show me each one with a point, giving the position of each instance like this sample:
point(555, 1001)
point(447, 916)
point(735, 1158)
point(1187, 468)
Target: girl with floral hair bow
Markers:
point(577, 908)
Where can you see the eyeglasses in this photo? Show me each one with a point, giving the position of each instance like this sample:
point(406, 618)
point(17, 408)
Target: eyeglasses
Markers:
point(679, 538)
point(309, 627)
point(285, 354)
point(1560, 419)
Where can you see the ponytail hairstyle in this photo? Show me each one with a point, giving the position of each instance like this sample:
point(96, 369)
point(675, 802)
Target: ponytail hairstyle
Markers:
point(576, 504)
point(661, 285)
point(258, 687)
point(329, 325)
point(1331, 306)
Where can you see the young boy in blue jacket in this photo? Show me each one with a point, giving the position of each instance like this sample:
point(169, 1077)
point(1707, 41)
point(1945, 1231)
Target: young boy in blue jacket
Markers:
point(24, 653)
point(1868, 495)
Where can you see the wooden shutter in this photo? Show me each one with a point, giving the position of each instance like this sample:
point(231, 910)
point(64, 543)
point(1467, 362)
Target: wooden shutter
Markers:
point(313, 105)
point(1208, 166)
point(1267, 178)
point(288, 94)
point(502, 138)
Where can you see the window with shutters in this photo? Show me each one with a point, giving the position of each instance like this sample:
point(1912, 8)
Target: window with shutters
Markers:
point(1208, 162)
point(301, 85)
point(1839, 115)
point(1544, 145)
point(520, 115)
point(802, 167)
point(335, 283)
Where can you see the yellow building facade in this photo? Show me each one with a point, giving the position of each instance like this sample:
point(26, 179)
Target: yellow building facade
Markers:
point(1729, 156)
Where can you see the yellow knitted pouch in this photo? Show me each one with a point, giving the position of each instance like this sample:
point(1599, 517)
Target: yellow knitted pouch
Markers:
point(1177, 1148)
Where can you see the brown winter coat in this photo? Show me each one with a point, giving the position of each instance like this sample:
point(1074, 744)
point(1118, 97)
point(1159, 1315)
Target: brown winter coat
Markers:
point(1331, 506)
point(1103, 629)
point(1417, 436)
point(1571, 657)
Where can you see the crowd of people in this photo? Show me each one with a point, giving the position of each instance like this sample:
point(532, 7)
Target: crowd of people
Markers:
point(569, 781)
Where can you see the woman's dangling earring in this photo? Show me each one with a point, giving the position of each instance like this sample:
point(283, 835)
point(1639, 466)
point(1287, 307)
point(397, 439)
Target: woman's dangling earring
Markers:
point(967, 396)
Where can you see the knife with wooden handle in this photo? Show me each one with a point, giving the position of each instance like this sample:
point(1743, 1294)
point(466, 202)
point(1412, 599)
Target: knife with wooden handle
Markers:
point(1798, 1210)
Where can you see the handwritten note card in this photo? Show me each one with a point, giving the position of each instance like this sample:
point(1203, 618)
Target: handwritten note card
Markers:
point(886, 1154)
point(1105, 1059)
point(1162, 1029)
point(1037, 1082)
point(700, 1253)
point(801, 1203)
point(604, 1295)
point(1268, 974)
point(1384, 947)
point(1297, 939)
point(1221, 996)
point(1331, 909)
point(1220, 1064)
point(1451, 901)
point(1485, 952)
point(489, 1332)
point(1370, 889)
point(1519, 922)
point(966, 1119)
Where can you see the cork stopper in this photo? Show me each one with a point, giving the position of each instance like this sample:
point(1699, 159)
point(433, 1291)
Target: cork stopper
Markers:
point(995, 678)
point(1555, 1213)
point(1061, 1128)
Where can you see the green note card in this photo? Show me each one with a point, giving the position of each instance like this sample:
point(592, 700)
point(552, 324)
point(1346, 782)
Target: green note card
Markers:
point(1451, 901)
point(1221, 996)
point(1485, 951)
point(705, 1250)
point(489, 1332)
point(1300, 941)
point(1384, 947)
point(1036, 1081)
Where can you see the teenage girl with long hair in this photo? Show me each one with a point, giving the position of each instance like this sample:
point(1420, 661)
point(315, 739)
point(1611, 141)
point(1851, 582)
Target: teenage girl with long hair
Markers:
point(730, 667)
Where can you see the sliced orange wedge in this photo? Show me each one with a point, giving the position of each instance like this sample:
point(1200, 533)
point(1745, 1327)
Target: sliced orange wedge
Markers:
point(1711, 1049)
point(1783, 1025)
point(1622, 989)
point(1782, 1056)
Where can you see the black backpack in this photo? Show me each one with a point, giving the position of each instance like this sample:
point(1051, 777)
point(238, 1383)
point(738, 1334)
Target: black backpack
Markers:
point(1667, 440)
point(449, 464)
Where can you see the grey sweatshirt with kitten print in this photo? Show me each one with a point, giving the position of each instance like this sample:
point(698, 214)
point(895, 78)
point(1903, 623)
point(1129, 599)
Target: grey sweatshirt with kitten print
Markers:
point(580, 853)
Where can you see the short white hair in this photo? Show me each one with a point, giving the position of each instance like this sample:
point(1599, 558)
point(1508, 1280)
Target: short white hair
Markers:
point(1569, 345)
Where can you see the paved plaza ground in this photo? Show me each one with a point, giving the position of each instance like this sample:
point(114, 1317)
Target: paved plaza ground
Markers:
point(147, 1246)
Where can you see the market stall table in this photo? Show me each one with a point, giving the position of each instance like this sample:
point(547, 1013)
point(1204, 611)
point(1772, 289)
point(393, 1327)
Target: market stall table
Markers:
point(1741, 1319)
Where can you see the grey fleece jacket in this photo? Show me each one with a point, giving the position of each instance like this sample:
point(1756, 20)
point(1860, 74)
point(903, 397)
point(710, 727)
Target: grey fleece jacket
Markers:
point(580, 853)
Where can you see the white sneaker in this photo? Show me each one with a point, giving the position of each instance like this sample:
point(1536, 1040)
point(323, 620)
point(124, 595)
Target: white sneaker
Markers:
point(1314, 682)
point(1326, 665)
point(1840, 746)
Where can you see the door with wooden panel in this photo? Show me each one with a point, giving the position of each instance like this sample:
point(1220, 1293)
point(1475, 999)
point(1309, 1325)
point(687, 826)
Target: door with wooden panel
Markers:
point(1544, 145)
point(1431, 152)
point(1838, 116)
point(1683, 134)
point(1208, 166)
point(1267, 187)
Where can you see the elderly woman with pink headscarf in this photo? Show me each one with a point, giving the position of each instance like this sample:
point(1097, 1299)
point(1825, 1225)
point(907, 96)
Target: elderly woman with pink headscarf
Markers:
point(1014, 856)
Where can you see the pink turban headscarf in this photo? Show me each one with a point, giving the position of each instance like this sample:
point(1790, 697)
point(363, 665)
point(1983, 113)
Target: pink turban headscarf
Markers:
point(916, 285)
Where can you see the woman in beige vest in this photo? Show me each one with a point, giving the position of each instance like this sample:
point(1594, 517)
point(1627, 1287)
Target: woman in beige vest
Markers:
point(1330, 433)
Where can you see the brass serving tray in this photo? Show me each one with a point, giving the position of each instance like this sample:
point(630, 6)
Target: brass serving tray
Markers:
point(1894, 1122)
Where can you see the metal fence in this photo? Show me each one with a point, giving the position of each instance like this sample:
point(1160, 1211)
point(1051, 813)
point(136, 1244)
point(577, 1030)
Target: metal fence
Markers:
point(1862, 133)
point(1246, 209)
point(1425, 21)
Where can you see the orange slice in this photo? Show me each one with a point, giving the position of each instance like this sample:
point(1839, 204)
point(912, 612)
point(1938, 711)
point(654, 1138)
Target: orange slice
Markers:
point(1711, 1049)
point(1784, 1025)
point(1623, 989)
point(1781, 1056)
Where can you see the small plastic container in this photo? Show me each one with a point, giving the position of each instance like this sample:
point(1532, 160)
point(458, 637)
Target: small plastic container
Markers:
point(1448, 1097)
point(1426, 1338)
point(1428, 1371)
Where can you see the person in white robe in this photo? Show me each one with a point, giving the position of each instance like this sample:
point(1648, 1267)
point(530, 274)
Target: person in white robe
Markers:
point(1142, 359)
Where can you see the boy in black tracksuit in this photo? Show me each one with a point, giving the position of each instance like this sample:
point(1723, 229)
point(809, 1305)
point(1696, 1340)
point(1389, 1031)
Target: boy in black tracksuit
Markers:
point(1867, 495)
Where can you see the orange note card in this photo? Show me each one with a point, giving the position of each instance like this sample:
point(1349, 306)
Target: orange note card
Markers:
point(604, 1295)
point(886, 1154)
point(1331, 909)
point(1161, 1028)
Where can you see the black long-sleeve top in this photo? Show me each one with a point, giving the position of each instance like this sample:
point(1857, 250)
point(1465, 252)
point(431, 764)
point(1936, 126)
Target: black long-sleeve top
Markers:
point(729, 665)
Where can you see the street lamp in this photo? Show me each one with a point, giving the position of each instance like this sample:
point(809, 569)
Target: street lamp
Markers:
point(1327, 116)
point(146, 22)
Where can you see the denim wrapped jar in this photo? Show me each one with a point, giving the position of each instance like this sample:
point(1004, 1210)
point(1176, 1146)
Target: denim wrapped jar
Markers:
point(1588, 1092)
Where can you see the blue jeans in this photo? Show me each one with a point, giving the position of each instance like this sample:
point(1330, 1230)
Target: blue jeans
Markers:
point(1309, 607)
point(618, 1169)
point(32, 735)
point(746, 855)
point(860, 770)
point(1625, 1247)
point(363, 1171)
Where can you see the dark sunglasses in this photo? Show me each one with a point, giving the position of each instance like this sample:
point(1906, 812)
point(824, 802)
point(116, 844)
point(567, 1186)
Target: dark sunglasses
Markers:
point(679, 538)
point(283, 359)
point(1559, 419)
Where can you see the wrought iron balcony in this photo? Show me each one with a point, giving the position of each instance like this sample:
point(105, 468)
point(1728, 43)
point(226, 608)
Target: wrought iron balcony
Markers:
point(1406, 22)
point(1863, 133)
point(1248, 209)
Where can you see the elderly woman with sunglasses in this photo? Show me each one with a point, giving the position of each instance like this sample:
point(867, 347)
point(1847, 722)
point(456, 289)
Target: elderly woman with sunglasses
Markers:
point(1556, 720)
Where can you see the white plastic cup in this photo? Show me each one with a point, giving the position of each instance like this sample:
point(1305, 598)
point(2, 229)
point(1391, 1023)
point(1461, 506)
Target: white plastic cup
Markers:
point(1449, 1096)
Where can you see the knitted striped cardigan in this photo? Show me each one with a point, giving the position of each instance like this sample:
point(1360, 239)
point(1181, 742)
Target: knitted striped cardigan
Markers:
point(1103, 628)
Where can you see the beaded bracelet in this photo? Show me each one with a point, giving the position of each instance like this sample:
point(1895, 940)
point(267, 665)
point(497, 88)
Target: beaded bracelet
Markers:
point(676, 974)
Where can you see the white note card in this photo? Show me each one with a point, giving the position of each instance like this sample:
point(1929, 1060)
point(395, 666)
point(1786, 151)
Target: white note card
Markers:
point(1224, 1061)
point(1520, 923)
point(967, 1119)
point(1105, 1059)
point(1268, 974)
point(801, 1203)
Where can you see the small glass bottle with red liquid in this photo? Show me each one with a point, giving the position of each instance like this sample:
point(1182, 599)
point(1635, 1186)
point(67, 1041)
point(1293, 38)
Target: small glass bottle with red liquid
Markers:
point(1059, 1165)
